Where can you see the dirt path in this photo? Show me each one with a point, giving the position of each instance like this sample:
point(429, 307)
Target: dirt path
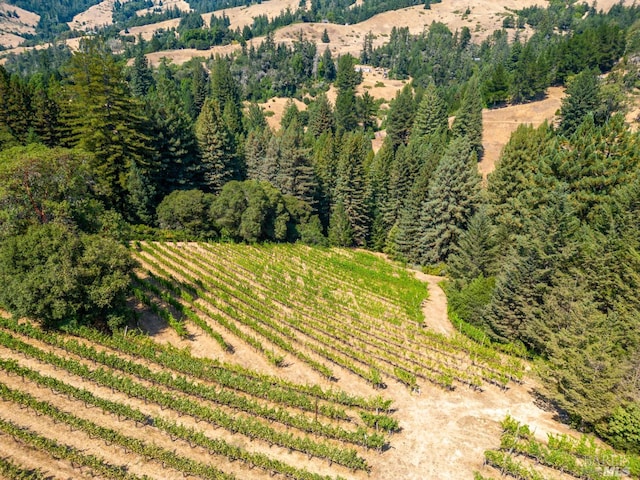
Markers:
point(435, 307)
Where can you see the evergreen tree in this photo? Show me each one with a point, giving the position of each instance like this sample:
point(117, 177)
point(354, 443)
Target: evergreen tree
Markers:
point(431, 116)
point(255, 151)
point(174, 138)
point(400, 117)
point(468, 122)
point(326, 66)
point(321, 117)
point(103, 119)
point(219, 161)
point(452, 199)
point(199, 87)
point(513, 179)
point(477, 250)
point(46, 117)
point(496, 89)
point(295, 173)
point(367, 112)
point(290, 115)
point(226, 92)
point(346, 113)
point(583, 99)
point(325, 36)
point(407, 233)
point(350, 187)
point(340, 231)
point(141, 75)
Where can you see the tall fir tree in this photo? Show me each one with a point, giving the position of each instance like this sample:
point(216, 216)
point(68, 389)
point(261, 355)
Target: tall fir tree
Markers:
point(102, 118)
point(141, 75)
point(321, 117)
point(468, 121)
point(583, 99)
point(296, 176)
point(174, 138)
point(401, 117)
point(452, 199)
point(407, 235)
point(351, 186)
point(219, 161)
point(431, 115)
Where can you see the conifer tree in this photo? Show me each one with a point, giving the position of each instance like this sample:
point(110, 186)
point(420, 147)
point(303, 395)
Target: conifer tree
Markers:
point(513, 178)
point(340, 231)
point(350, 188)
point(105, 120)
point(173, 138)
point(46, 117)
point(468, 122)
point(255, 151)
point(321, 117)
point(407, 233)
point(583, 99)
point(452, 199)
point(296, 176)
point(141, 75)
point(226, 92)
point(400, 117)
point(219, 161)
point(431, 116)
point(477, 250)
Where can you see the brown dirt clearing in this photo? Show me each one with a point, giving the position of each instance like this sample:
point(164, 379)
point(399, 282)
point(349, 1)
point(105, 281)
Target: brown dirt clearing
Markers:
point(499, 123)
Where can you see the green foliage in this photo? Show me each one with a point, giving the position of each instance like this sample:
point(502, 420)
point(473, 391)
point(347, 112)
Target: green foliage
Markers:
point(252, 211)
point(452, 199)
point(468, 121)
point(219, 160)
point(103, 119)
point(56, 276)
point(401, 117)
point(186, 210)
point(340, 229)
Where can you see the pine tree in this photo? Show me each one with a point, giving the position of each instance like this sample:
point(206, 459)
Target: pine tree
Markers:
point(583, 99)
point(255, 151)
point(325, 36)
point(340, 231)
point(431, 116)
point(367, 112)
point(346, 113)
point(321, 117)
point(477, 250)
point(350, 188)
point(326, 66)
point(219, 161)
point(407, 235)
point(296, 176)
point(174, 138)
point(105, 120)
point(468, 122)
point(514, 176)
point(46, 117)
point(141, 75)
point(496, 89)
point(400, 117)
point(290, 114)
point(452, 199)
point(226, 92)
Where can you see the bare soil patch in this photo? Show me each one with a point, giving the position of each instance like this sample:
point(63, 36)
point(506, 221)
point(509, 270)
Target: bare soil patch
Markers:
point(162, 5)
point(94, 17)
point(12, 28)
point(499, 123)
point(435, 307)
point(244, 15)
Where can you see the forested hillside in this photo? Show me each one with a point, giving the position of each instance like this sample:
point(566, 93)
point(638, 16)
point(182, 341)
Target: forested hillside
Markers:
point(98, 152)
